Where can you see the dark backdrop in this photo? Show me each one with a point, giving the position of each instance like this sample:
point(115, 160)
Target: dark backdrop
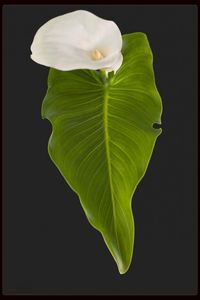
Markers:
point(49, 246)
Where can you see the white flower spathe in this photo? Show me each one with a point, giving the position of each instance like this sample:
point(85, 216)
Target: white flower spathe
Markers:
point(78, 40)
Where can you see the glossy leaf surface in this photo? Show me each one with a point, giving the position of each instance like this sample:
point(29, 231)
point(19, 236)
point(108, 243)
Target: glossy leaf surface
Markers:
point(103, 137)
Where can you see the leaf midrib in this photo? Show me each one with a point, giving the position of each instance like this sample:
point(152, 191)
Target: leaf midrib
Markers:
point(105, 115)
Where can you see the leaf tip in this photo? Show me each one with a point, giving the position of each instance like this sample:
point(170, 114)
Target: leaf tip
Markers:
point(122, 268)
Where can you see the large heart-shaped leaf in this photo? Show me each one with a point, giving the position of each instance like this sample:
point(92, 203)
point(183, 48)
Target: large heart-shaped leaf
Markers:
point(103, 138)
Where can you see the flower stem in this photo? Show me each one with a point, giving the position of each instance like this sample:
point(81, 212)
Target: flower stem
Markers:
point(103, 75)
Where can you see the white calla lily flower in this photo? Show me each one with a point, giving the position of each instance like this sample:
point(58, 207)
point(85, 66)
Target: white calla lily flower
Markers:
point(78, 40)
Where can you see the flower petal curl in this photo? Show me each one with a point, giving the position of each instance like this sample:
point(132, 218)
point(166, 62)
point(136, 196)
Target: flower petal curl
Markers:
point(66, 43)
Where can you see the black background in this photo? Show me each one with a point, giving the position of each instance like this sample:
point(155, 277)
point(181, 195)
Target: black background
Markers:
point(49, 246)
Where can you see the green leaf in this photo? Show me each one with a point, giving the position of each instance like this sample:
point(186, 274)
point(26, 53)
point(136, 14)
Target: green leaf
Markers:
point(103, 137)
